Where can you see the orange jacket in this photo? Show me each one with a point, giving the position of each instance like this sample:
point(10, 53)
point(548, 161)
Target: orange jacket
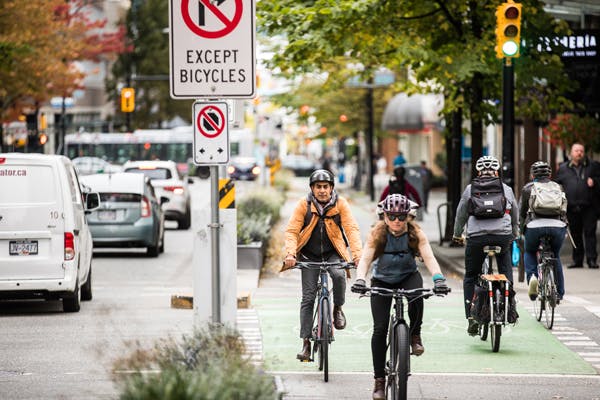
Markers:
point(296, 237)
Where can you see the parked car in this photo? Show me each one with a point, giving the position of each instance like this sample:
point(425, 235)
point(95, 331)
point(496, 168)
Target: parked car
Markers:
point(299, 164)
point(168, 182)
point(243, 168)
point(45, 241)
point(93, 165)
point(130, 214)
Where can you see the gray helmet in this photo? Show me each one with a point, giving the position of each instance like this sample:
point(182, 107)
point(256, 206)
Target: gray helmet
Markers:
point(540, 169)
point(321, 175)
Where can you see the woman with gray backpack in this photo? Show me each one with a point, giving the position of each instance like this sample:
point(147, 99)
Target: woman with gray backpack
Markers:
point(542, 212)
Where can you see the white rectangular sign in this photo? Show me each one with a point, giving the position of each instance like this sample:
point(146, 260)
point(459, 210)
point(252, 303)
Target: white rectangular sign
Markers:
point(212, 48)
point(211, 133)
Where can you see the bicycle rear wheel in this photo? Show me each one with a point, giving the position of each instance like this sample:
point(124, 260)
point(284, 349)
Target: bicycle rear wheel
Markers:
point(551, 296)
point(323, 340)
point(540, 301)
point(400, 368)
point(495, 328)
point(495, 333)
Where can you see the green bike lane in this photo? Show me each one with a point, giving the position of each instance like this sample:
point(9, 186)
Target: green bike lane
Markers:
point(525, 348)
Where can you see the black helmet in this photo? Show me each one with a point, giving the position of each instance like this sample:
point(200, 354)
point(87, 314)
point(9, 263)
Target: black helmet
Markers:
point(321, 175)
point(540, 169)
point(399, 172)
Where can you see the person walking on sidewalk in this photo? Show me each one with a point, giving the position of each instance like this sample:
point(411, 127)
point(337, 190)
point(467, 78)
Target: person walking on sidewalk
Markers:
point(317, 231)
point(542, 212)
point(489, 210)
point(391, 248)
point(580, 177)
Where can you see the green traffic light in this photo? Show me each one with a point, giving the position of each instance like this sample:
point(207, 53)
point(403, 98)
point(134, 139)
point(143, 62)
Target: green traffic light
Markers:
point(510, 48)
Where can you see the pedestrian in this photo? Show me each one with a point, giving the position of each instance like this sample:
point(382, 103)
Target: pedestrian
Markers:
point(489, 211)
point(399, 159)
point(326, 162)
point(580, 178)
point(397, 184)
point(391, 248)
point(426, 178)
point(542, 215)
point(317, 231)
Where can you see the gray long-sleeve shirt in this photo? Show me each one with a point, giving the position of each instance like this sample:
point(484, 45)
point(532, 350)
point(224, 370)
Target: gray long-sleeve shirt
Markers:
point(506, 225)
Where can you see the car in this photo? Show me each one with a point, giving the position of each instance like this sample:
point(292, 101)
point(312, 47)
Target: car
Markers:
point(299, 164)
point(130, 214)
point(243, 168)
point(93, 165)
point(167, 181)
point(45, 241)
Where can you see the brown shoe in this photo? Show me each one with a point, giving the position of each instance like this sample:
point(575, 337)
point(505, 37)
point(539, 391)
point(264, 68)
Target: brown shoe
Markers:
point(379, 389)
point(416, 345)
point(304, 355)
point(339, 319)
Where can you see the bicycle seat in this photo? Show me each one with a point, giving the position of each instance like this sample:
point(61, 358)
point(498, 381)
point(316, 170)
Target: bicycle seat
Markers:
point(492, 249)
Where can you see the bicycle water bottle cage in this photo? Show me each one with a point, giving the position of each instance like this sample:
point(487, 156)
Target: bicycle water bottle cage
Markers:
point(492, 250)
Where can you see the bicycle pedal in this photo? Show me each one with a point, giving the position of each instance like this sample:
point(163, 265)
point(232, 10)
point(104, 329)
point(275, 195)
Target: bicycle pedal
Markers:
point(307, 360)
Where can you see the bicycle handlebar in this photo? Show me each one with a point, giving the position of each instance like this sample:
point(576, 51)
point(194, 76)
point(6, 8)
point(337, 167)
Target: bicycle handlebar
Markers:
point(407, 293)
point(324, 265)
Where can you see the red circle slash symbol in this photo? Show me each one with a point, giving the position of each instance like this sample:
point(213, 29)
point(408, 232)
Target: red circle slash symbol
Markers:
point(214, 13)
point(210, 122)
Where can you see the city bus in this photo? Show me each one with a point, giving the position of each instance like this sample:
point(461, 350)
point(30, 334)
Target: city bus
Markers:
point(149, 144)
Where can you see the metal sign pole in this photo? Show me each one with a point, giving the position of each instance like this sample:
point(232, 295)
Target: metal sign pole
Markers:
point(215, 244)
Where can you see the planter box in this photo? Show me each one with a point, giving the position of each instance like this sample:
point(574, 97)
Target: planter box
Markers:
point(250, 256)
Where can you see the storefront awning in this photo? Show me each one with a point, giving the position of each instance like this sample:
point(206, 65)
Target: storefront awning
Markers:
point(412, 113)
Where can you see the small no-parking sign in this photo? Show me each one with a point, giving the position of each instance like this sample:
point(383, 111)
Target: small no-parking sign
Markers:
point(211, 133)
point(212, 48)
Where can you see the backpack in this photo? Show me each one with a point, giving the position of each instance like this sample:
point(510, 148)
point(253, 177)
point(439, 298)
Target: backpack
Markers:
point(336, 218)
point(487, 198)
point(547, 199)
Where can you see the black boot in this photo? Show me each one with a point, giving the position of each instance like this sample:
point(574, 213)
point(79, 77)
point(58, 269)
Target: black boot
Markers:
point(379, 389)
point(304, 355)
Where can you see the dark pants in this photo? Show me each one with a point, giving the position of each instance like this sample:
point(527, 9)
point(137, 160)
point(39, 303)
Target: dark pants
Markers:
point(310, 278)
point(532, 242)
point(474, 257)
point(582, 224)
point(380, 310)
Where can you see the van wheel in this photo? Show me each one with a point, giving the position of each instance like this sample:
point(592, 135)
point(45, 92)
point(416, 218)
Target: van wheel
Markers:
point(72, 303)
point(86, 289)
point(186, 221)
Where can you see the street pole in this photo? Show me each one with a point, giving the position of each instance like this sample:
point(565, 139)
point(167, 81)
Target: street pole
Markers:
point(215, 244)
point(369, 137)
point(508, 122)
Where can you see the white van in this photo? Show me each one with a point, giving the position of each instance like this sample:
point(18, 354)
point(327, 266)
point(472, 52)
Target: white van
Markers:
point(45, 242)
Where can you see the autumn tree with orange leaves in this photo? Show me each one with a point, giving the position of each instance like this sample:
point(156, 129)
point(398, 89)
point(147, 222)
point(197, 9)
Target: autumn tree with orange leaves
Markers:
point(39, 43)
point(566, 129)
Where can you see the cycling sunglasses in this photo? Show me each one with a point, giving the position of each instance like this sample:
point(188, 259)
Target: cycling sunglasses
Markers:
point(399, 217)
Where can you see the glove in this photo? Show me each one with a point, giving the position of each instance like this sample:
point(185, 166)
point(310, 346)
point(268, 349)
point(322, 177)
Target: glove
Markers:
point(458, 240)
point(359, 286)
point(439, 284)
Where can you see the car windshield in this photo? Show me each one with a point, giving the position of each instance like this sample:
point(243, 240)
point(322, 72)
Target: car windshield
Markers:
point(152, 173)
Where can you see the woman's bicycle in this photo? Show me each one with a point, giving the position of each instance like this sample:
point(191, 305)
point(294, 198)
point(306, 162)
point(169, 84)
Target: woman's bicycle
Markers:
point(492, 300)
point(547, 296)
point(397, 368)
point(322, 334)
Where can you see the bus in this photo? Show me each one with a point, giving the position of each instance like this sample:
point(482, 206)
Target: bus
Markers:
point(150, 144)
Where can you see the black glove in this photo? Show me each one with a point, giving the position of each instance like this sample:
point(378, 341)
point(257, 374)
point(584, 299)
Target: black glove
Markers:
point(440, 287)
point(359, 286)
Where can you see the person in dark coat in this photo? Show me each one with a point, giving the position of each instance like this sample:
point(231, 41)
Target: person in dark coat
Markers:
point(580, 178)
point(399, 185)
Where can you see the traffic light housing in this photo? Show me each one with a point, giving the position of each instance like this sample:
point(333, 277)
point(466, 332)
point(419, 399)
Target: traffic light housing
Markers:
point(508, 30)
point(127, 99)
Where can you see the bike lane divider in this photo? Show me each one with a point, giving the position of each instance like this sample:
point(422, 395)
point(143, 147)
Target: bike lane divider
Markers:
point(525, 348)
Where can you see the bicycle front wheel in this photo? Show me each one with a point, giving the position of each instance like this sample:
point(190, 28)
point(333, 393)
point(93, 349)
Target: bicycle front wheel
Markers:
point(551, 296)
point(400, 371)
point(323, 350)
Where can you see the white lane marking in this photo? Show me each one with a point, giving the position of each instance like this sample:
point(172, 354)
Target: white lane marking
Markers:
point(577, 300)
point(594, 310)
point(581, 343)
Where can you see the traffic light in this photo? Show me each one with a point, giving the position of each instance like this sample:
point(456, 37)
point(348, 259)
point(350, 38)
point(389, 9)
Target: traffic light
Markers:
point(127, 100)
point(508, 30)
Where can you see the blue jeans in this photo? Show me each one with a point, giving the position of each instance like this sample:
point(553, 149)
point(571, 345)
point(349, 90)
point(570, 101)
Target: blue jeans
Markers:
point(532, 242)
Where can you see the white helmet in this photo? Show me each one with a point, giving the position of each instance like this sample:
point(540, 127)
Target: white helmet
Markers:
point(487, 163)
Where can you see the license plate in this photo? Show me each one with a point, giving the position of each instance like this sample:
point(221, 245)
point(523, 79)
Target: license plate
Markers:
point(107, 215)
point(22, 247)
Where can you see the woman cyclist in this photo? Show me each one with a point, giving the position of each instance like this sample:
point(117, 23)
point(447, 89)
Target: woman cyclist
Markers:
point(392, 246)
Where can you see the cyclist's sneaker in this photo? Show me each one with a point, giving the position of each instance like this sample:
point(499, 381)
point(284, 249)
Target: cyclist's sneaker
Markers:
point(339, 319)
point(304, 355)
point(533, 287)
point(379, 389)
point(473, 328)
point(416, 345)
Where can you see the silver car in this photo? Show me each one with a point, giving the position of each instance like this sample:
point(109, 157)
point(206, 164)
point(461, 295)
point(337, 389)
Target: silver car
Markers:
point(130, 214)
point(168, 182)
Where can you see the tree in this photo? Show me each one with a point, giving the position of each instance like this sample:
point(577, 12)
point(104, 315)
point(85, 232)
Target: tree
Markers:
point(147, 23)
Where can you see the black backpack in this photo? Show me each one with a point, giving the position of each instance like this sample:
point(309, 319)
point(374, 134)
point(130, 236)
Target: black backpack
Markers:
point(487, 198)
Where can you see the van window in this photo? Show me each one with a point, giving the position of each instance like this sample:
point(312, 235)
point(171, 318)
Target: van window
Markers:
point(73, 185)
point(27, 184)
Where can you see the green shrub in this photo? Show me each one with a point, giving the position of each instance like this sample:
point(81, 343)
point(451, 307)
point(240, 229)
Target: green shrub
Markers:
point(209, 365)
point(283, 179)
point(257, 211)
